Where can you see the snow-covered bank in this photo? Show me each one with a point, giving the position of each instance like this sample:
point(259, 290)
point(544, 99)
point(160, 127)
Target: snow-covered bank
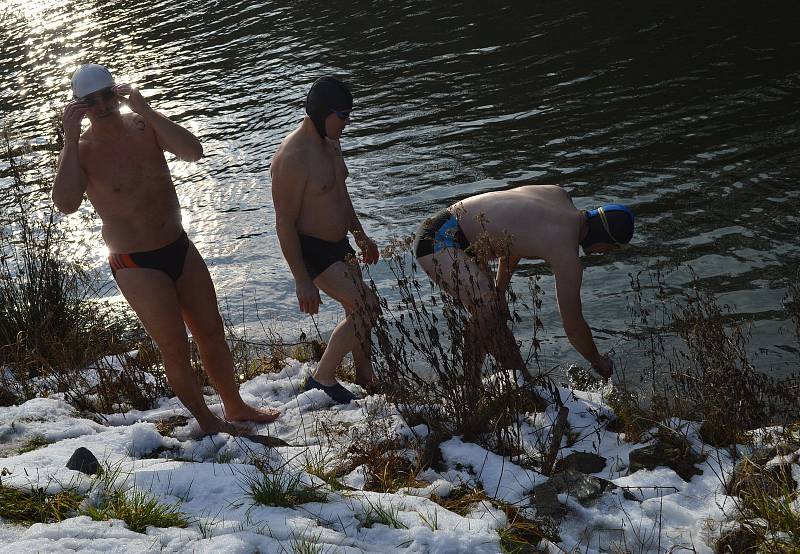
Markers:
point(207, 477)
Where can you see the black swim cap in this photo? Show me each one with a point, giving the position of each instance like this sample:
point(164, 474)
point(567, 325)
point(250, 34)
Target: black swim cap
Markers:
point(327, 94)
point(612, 224)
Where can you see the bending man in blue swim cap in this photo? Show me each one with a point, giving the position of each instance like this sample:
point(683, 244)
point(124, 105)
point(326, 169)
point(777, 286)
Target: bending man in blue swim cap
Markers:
point(540, 222)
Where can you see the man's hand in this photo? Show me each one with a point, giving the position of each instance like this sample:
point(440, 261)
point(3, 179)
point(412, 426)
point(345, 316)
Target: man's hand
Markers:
point(308, 297)
point(369, 250)
point(73, 114)
point(604, 366)
point(135, 101)
point(170, 136)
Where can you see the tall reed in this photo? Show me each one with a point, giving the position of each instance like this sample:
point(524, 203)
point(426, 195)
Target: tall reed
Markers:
point(50, 323)
point(425, 353)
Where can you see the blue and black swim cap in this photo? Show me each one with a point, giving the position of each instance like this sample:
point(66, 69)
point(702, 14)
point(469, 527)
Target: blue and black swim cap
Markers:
point(326, 95)
point(612, 224)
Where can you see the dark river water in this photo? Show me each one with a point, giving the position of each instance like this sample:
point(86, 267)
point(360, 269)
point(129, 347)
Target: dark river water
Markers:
point(688, 114)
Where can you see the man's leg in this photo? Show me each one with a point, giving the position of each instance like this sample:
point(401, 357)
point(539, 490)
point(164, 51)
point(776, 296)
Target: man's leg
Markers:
point(153, 297)
point(487, 330)
point(362, 356)
point(198, 302)
point(343, 283)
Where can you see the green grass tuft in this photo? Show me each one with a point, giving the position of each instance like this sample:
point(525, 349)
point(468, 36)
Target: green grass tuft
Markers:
point(300, 545)
point(386, 515)
point(282, 489)
point(317, 465)
point(34, 443)
point(139, 510)
point(431, 520)
point(226, 457)
point(36, 506)
point(769, 519)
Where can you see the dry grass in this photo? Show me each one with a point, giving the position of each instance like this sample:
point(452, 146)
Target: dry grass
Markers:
point(34, 443)
point(632, 418)
point(708, 377)
point(167, 426)
point(390, 462)
point(51, 328)
point(434, 331)
point(768, 519)
point(520, 535)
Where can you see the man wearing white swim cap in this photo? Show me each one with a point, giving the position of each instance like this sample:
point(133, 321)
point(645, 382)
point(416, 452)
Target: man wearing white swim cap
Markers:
point(119, 163)
point(537, 222)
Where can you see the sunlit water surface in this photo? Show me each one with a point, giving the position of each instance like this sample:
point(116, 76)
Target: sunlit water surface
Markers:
point(689, 115)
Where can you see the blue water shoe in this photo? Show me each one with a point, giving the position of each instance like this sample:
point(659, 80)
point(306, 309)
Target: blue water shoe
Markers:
point(337, 392)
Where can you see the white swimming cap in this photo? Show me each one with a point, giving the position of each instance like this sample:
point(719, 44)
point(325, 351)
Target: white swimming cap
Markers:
point(90, 78)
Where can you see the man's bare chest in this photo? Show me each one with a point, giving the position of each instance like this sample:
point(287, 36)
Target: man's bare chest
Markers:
point(121, 168)
point(326, 176)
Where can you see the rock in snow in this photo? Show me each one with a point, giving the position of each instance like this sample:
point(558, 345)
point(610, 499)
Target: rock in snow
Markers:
point(84, 461)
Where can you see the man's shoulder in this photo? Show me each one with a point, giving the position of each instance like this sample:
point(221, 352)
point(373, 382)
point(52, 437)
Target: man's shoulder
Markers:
point(292, 154)
point(85, 142)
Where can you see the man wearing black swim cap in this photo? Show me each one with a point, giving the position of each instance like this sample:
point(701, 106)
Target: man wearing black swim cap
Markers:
point(314, 214)
point(538, 222)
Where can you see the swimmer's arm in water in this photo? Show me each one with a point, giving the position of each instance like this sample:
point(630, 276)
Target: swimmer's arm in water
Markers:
point(170, 136)
point(505, 269)
point(70, 182)
point(568, 273)
point(288, 188)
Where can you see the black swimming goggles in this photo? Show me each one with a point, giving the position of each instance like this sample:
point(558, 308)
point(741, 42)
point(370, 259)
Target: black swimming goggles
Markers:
point(93, 98)
point(343, 115)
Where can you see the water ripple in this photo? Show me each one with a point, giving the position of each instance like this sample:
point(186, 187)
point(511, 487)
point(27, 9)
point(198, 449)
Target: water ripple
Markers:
point(687, 112)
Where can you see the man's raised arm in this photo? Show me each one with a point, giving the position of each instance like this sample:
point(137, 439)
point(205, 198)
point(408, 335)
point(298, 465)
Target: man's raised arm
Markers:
point(171, 136)
point(70, 182)
point(288, 187)
point(568, 273)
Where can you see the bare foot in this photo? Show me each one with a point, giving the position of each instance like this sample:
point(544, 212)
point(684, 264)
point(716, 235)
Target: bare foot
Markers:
point(215, 425)
point(248, 413)
point(373, 386)
point(366, 378)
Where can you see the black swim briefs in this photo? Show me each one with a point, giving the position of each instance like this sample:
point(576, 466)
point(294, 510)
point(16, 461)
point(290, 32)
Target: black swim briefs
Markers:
point(319, 254)
point(169, 259)
point(438, 232)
